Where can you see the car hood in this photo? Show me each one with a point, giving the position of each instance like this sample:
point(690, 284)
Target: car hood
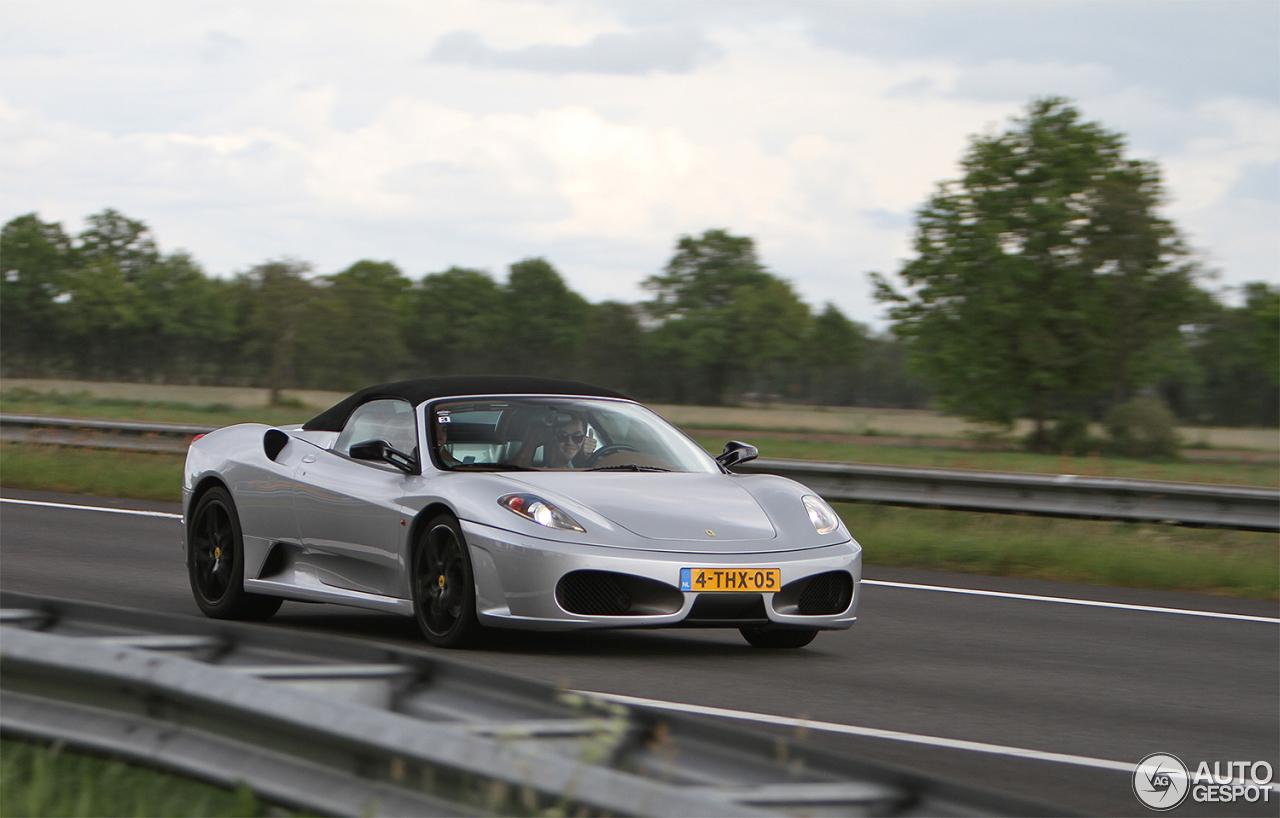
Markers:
point(657, 506)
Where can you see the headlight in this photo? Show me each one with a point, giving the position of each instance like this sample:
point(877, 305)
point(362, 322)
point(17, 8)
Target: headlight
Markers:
point(532, 507)
point(824, 519)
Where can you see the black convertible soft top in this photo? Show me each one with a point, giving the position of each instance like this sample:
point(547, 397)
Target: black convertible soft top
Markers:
point(420, 389)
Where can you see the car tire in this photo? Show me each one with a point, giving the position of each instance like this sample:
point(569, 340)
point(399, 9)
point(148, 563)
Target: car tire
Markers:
point(215, 561)
point(768, 637)
point(444, 587)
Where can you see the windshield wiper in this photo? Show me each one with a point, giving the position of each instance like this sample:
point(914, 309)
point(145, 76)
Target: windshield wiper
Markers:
point(627, 467)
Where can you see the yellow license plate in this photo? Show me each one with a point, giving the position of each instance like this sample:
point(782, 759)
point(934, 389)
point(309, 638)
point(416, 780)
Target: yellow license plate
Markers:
point(730, 579)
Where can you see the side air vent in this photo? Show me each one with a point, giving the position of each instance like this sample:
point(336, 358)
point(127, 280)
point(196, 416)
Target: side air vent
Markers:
point(827, 594)
point(273, 442)
point(605, 593)
point(276, 562)
point(819, 595)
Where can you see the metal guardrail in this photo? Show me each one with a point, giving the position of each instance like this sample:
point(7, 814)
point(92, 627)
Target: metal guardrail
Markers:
point(1052, 495)
point(1062, 495)
point(96, 433)
point(347, 727)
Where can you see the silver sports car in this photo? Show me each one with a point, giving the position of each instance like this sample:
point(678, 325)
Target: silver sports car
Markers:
point(510, 502)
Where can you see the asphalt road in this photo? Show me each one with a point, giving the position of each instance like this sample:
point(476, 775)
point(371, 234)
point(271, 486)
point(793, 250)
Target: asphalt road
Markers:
point(1100, 683)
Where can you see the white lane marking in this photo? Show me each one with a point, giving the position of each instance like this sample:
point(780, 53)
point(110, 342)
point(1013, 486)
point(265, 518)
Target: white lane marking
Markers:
point(867, 732)
point(911, 586)
point(1092, 603)
point(164, 514)
point(872, 732)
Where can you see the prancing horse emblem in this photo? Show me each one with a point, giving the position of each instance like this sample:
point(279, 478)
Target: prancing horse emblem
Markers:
point(710, 533)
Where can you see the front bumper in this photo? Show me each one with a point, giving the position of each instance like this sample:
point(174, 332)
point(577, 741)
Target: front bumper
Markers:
point(516, 578)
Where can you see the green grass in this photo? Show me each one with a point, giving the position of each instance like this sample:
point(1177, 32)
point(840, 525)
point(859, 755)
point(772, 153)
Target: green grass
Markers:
point(1236, 563)
point(92, 471)
point(82, 405)
point(38, 780)
point(1237, 473)
point(1131, 555)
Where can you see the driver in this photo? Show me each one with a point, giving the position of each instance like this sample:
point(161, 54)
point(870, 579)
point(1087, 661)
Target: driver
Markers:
point(565, 446)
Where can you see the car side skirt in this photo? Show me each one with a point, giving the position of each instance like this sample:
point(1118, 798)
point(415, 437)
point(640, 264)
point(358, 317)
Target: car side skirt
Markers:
point(327, 593)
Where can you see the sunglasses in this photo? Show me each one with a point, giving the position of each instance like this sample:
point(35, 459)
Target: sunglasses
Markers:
point(565, 437)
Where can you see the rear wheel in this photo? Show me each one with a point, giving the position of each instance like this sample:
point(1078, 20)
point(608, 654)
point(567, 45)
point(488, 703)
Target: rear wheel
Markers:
point(444, 588)
point(767, 637)
point(215, 561)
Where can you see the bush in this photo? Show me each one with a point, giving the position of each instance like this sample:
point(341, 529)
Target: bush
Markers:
point(1142, 427)
point(1069, 435)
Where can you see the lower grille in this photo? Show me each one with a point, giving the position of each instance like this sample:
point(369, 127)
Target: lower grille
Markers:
point(728, 607)
point(593, 593)
point(828, 593)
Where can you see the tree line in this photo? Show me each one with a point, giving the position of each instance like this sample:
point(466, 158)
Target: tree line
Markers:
point(107, 304)
point(1045, 285)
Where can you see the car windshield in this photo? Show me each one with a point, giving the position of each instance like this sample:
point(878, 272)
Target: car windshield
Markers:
point(549, 434)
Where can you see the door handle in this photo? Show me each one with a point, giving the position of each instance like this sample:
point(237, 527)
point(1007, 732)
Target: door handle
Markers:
point(308, 459)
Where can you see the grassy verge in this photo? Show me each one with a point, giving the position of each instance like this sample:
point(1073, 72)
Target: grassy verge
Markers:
point(1247, 474)
point(1236, 563)
point(83, 405)
point(1129, 555)
point(92, 471)
point(36, 780)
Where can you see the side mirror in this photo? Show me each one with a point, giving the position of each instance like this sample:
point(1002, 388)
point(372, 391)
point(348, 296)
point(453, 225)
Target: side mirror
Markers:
point(380, 451)
point(736, 452)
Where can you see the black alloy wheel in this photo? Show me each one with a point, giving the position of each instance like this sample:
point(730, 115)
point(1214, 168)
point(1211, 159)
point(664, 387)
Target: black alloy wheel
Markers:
point(773, 637)
point(215, 561)
point(444, 588)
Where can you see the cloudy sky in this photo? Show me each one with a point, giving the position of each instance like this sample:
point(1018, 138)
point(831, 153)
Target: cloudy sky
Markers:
point(594, 134)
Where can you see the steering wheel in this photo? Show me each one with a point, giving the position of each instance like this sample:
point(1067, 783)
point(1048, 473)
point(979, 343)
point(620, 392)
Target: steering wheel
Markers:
point(599, 454)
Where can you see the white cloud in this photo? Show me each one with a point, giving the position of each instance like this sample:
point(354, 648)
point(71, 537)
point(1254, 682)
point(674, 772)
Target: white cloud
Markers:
point(1207, 167)
point(675, 50)
point(249, 131)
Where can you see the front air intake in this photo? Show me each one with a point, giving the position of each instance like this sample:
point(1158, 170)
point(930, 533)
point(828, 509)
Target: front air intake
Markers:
point(605, 593)
point(826, 594)
point(593, 593)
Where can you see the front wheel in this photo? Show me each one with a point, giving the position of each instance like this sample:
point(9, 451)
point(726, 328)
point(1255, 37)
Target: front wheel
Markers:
point(215, 562)
point(444, 588)
point(778, 637)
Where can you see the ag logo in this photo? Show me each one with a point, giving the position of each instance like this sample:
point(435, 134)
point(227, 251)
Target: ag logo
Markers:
point(1161, 781)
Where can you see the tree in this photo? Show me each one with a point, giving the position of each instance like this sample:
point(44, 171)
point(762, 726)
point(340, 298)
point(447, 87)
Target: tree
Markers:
point(183, 324)
point(275, 298)
point(100, 317)
point(724, 320)
point(128, 243)
point(612, 347)
point(455, 323)
point(35, 256)
point(1045, 284)
point(351, 333)
point(886, 378)
point(704, 273)
point(833, 353)
point(1238, 354)
point(545, 321)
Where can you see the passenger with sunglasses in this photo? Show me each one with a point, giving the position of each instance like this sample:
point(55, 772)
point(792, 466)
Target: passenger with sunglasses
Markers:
point(564, 446)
